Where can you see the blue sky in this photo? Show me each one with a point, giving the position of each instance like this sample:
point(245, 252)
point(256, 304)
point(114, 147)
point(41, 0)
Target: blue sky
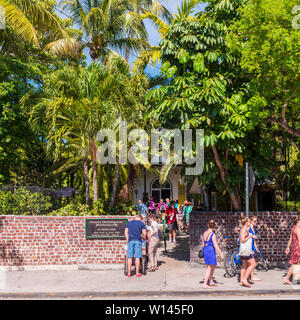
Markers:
point(154, 38)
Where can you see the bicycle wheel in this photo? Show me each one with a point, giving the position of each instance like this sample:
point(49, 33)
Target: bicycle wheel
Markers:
point(261, 262)
point(228, 265)
point(236, 263)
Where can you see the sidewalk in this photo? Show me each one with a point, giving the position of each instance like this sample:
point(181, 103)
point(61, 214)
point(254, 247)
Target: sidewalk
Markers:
point(175, 277)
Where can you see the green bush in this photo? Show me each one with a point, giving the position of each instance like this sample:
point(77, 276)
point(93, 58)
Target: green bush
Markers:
point(6, 202)
point(76, 209)
point(291, 206)
point(24, 202)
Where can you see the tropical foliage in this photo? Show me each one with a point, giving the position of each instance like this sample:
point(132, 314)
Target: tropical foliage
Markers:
point(231, 69)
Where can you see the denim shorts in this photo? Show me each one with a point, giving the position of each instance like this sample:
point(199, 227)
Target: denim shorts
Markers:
point(134, 249)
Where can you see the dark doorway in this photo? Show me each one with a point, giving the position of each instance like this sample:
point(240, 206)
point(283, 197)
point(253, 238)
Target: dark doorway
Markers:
point(265, 202)
point(160, 191)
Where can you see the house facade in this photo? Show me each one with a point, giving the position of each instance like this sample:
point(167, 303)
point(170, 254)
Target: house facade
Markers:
point(175, 188)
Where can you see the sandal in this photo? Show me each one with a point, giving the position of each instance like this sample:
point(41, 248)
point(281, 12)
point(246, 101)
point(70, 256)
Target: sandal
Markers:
point(152, 269)
point(255, 279)
point(213, 284)
point(245, 284)
point(287, 282)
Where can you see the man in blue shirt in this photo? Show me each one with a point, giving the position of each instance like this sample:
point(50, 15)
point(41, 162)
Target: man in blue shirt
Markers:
point(134, 232)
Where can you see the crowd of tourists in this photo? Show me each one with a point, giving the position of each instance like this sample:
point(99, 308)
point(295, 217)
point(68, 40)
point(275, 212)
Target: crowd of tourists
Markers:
point(145, 228)
point(247, 247)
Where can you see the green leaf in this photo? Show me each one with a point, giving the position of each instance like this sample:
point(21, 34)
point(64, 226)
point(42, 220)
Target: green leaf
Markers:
point(183, 56)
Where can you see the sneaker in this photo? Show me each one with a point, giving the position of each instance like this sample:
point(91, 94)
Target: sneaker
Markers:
point(170, 241)
point(174, 241)
point(138, 275)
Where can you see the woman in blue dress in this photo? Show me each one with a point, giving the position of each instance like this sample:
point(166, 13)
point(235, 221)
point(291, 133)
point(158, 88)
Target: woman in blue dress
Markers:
point(209, 254)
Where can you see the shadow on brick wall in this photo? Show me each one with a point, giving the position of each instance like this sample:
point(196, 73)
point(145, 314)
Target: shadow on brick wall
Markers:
point(273, 237)
point(9, 255)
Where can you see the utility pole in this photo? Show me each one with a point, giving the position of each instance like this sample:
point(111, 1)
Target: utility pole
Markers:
point(247, 189)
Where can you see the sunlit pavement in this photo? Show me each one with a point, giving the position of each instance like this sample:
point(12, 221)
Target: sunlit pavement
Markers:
point(175, 278)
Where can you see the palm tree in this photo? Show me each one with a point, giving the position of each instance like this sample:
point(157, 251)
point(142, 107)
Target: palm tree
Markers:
point(131, 105)
point(138, 7)
point(106, 26)
point(75, 104)
point(27, 20)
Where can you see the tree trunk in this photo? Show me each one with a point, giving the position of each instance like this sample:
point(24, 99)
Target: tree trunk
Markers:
point(115, 185)
point(127, 48)
point(116, 180)
point(93, 55)
point(222, 171)
point(95, 168)
point(86, 181)
point(95, 180)
point(284, 123)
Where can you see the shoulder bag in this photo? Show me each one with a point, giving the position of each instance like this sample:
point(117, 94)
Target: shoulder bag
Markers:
point(245, 248)
point(200, 254)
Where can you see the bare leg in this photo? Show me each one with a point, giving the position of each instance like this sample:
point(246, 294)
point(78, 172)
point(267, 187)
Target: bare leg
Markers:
point(244, 275)
point(253, 278)
point(129, 264)
point(137, 266)
point(170, 236)
point(243, 270)
point(251, 266)
point(287, 278)
point(211, 283)
point(206, 278)
point(174, 235)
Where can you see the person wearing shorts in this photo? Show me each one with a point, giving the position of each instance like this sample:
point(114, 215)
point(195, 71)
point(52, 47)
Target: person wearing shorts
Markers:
point(134, 232)
point(248, 261)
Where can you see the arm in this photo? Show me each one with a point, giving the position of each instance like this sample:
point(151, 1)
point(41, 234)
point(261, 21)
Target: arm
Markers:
point(144, 234)
point(298, 236)
point(215, 243)
point(155, 230)
point(243, 238)
point(126, 234)
point(287, 250)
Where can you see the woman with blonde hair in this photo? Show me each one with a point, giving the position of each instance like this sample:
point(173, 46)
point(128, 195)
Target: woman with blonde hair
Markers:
point(295, 252)
point(246, 253)
point(209, 254)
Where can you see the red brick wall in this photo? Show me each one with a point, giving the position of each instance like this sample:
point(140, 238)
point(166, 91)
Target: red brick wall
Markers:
point(274, 236)
point(40, 240)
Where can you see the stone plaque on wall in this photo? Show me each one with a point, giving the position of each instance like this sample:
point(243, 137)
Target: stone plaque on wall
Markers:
point(105, 228)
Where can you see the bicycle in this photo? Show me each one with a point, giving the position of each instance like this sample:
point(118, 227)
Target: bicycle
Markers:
point(232, 261)
point(261, 261)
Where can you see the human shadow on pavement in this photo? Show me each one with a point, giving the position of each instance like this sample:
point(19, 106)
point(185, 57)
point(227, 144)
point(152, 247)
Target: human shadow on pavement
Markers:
point(179, 250)
point(214, 280)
